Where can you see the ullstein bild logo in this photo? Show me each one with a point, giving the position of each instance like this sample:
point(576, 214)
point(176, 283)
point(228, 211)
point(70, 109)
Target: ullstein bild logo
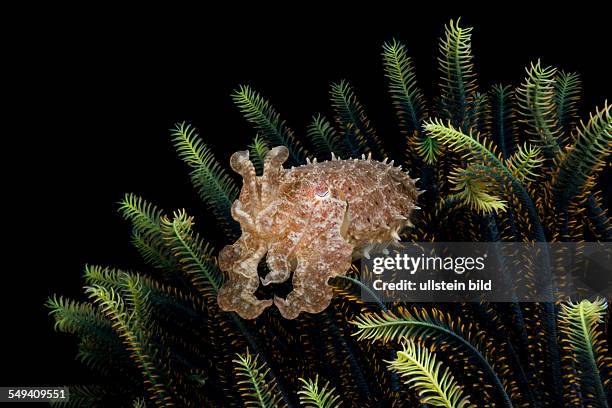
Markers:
point(496, 272)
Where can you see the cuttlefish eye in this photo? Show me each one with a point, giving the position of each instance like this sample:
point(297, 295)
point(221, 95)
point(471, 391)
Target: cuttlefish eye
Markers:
point(322, 192)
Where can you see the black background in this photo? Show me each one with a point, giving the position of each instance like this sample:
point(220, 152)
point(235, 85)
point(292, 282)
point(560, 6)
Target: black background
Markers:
point(98, 91)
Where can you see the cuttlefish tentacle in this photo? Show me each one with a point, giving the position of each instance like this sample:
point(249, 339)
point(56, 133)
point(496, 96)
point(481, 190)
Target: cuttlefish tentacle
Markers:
point(247, 223)
point(240, 260)
point(237, 294)
point(332, 257)
point(240, 163)
point(272, 172)
point(278, 262)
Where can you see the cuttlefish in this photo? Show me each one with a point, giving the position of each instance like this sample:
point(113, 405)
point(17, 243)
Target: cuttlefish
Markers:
point(310, 221)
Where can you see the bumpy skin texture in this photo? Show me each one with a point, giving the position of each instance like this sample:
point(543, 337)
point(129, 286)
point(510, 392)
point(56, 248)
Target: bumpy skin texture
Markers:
point(310, 220)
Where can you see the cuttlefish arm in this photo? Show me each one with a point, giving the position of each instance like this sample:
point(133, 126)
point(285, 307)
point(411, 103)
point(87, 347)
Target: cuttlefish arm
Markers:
point(240, 260)
point(325, 254)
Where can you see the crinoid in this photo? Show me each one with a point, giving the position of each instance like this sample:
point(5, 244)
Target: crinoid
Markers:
point(507, 163)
